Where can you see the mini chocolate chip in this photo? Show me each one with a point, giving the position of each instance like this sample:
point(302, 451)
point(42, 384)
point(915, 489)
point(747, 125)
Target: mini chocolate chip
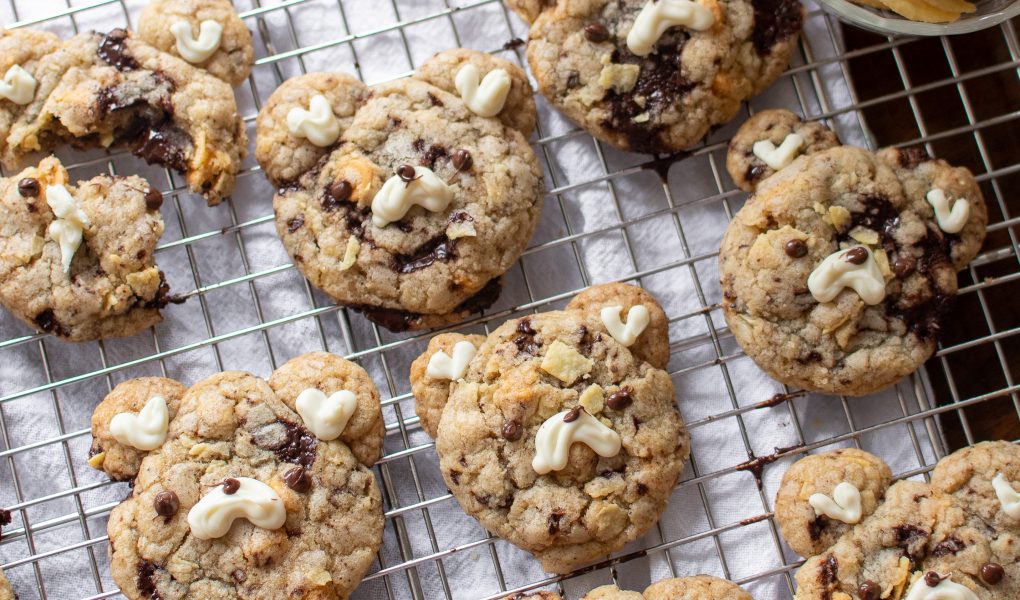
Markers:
point(153, 199)
point(573, 415)
point(341, 191)
point(406, 173)
point(904, 266)
point(795, 248)
point(869, 590)
point(932, 579)
point(856, 256)
point(297, 480)
point(596, 33)
point(166, 503)
point(230, 486)
point(462, 160)
point(28, 187)
point(295, 223)
point(512, 430)
point(620, 399)
point(992, 573)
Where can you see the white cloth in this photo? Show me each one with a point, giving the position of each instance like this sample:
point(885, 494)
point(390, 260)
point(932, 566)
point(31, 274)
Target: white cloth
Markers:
point(550, 270)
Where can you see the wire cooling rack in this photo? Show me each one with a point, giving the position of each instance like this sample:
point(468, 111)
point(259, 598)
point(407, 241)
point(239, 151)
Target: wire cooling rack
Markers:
point(57, 547)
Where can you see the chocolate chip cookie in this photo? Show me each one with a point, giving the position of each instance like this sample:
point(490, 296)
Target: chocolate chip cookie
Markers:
point(955, 538)
point(77, 261)
point(697, 587)
point(409, 200)
point(6, 593)
point(553, 433)
point(116, 90)
point(765, 133)
point(656, 75)
point(235, 493)
point(837, 273)
point(823, 496)
point(206, 33)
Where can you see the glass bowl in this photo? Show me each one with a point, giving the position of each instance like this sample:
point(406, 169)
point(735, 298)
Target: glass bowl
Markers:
point(989, 13)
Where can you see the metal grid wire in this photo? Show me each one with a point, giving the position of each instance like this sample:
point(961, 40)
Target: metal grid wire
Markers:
point(417, 568)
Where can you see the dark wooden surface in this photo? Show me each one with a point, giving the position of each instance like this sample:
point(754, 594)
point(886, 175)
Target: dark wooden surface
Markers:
point(984, 368)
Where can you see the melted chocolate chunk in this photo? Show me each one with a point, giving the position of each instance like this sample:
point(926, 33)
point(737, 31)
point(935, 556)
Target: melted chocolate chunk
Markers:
point(524, 338)
point(621, 398)
point(573, 414)
point(774, 21)
point(817, 526)
point(166, 504)
point(299, 448)
point(154, 98)
point(29, 187)
point(165, 144)
point(462, 160)
point(795, 248)
point(596, 33)
point(992, 573)
point(910, 158)
point(153, 199)
point(295, 223)
point(438, 249)
point(948, 546)
point(390, 318)
point(754, 172)
point(146, 580)
point(435, 101)
point(856, 256)
point(641, 489)
point(297, 479)
point(483, 298)
point(430, 153)
point(554, 522)
point(5, 518)
point(230, 486)
point(512, 430)
point(112, 50)
point(869, 590)
point(908, 535)
point(573, 80)
point(162, 297)
point(47, 321)
point(830, 570)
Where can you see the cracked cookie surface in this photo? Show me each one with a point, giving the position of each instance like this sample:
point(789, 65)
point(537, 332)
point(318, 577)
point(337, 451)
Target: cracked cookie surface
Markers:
point(525, 373)
point(230, 426)
point(427, 267)
point(112, 286)
point(670, 99)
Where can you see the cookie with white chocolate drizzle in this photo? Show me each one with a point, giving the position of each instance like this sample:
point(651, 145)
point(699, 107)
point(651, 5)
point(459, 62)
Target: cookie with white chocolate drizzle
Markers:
point(409, 200)
point(837, 273)
point(245, 492)
point(557, 434)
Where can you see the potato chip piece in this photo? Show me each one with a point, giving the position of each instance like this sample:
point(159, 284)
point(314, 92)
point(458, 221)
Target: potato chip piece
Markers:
point(957, 6)
point(915, 10)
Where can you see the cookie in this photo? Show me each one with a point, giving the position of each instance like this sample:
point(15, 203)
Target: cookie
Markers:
point(206, 33)
point(697, 587)
point(770, 140)
point(823, 495)
point(78, 261)
point(6, 593)
point(409, 200)
point(554, 435)
point(432, 390)
point(837, 273)
point(237, 495)
point(115, 90)
point(954, 538)
point(656, 76)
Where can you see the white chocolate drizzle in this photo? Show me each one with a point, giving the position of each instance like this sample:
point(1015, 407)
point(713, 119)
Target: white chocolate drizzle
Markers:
point(659, 15)
point(778, 157)
point(844, 505)
point(212, 517)
point(318, 124)
point(145, 430)
point(637, 320)
point(950, 220)
point(210, 35)
point(18, 85)
point(70, 223)
point(326, 416)
point(443, 366)
point(1007, 495)
point(398, 196)
point(556, 436)
point(836, 273)
point(484, 97)
point(945, 590)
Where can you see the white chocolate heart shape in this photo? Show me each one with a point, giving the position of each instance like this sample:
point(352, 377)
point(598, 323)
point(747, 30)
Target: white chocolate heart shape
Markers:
point(215, 513)
point(638, 318)
point(777, 158)
point(556, 436)
point(145, 430)
point(950, 220)
point(18, 85)
point(657, 16)
point(210, 35)
point(318, 124)
point(70, 223)
point(484, 97)
point(945, 590)
point(1008, 497)
point(442, 366)
point(397, 196)
point(326, 416)
point(836, 272)
point(844, 505)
